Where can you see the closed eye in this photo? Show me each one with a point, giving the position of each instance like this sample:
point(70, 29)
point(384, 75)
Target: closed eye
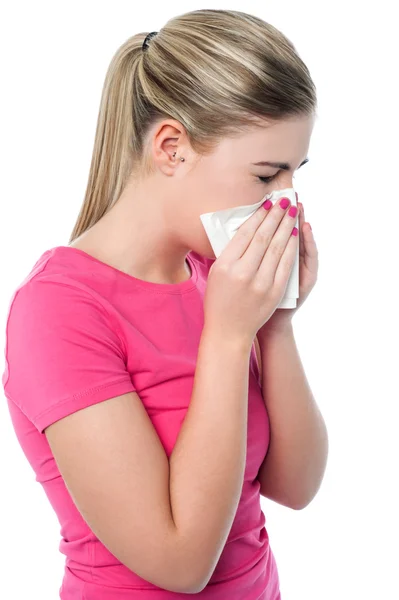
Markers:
point(267, 179)
point(270, 179)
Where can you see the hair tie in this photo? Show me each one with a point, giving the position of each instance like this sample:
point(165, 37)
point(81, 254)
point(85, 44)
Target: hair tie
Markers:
point(148, 38)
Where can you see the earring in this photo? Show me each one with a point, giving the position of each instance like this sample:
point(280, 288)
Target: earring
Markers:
point(182, 159)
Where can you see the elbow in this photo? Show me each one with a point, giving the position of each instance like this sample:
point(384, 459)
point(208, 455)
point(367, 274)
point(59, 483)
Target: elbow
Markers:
point(300, 505)
point(297, 503)
point(198, 581)
point(187, 581)
point(193, 585)
point(174, 571)
point(190, 575)
point(198, 584)
point(195, 588)
point(200, 576)
point(303, 502)
point(182, 583)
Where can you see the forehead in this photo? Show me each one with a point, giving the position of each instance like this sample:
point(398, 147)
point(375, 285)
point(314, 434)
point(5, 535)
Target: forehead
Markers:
point(294, 130)
point(286, 140)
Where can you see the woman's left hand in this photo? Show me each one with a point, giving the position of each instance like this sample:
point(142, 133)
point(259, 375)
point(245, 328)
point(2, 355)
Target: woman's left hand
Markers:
point(308, 269)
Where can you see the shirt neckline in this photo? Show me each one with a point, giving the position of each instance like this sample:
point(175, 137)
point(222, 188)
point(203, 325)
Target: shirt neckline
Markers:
point(159, 288)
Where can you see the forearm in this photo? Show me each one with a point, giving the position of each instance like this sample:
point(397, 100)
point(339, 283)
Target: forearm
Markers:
point(295, 463)
point(207, 464)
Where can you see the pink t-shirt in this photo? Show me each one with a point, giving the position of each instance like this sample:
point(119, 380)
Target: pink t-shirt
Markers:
point(80, 331)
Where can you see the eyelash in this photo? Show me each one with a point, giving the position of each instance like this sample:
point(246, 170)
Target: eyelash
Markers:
point(267, 179)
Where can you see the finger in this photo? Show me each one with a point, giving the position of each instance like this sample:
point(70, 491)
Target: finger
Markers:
point(304, 218)
point(278, 245)
point(243, 236)
point(310, 253)
point(273, 232)
point(284, 268)
point(300, 227)
point(307, 227)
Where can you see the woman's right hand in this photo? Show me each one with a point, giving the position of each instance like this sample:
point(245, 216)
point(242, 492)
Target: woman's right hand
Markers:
point(248, 280)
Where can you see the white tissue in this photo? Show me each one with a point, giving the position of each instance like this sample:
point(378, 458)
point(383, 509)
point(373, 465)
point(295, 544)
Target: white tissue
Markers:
point(221, 226)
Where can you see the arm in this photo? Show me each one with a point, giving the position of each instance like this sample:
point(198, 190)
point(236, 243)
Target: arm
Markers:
point(294, 465)
point(207, 463)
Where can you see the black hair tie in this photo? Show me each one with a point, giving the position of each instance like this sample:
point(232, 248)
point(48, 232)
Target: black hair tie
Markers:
point(148, 38)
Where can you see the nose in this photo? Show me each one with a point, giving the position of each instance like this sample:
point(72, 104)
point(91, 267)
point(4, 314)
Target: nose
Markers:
point(286, 181)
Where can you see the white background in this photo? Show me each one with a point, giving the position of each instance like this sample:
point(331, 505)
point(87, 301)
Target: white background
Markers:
point(54, 58)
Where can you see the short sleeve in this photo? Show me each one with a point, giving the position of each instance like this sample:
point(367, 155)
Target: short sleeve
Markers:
point(62, 352)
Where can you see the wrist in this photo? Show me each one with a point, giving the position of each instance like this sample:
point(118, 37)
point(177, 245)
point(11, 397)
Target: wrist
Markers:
point(223, 339)
point(275, 329)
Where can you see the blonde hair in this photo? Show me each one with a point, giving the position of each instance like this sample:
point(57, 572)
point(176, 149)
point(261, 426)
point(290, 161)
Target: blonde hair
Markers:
point(215, 71)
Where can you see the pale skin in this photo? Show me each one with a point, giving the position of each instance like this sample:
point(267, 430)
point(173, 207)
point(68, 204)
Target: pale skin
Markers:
point(155, 223)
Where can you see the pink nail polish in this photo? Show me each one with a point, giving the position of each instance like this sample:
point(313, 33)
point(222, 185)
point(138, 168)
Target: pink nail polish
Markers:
point(267, 205)
point(284, 202)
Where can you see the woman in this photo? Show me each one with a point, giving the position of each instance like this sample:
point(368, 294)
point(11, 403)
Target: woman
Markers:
point(136, 396)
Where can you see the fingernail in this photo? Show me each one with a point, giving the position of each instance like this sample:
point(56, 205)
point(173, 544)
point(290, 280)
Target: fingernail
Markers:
point(268, 204)
point(294, 231)
point(284, 202)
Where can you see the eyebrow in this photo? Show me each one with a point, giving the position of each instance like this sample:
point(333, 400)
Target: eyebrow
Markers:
point(277, 165)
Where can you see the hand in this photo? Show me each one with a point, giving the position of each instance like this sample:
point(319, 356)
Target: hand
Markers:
point(281, 319)
point(247, 281)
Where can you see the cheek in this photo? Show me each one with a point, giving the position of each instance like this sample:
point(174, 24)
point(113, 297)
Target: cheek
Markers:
point(211, 192)
point(218, 187)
